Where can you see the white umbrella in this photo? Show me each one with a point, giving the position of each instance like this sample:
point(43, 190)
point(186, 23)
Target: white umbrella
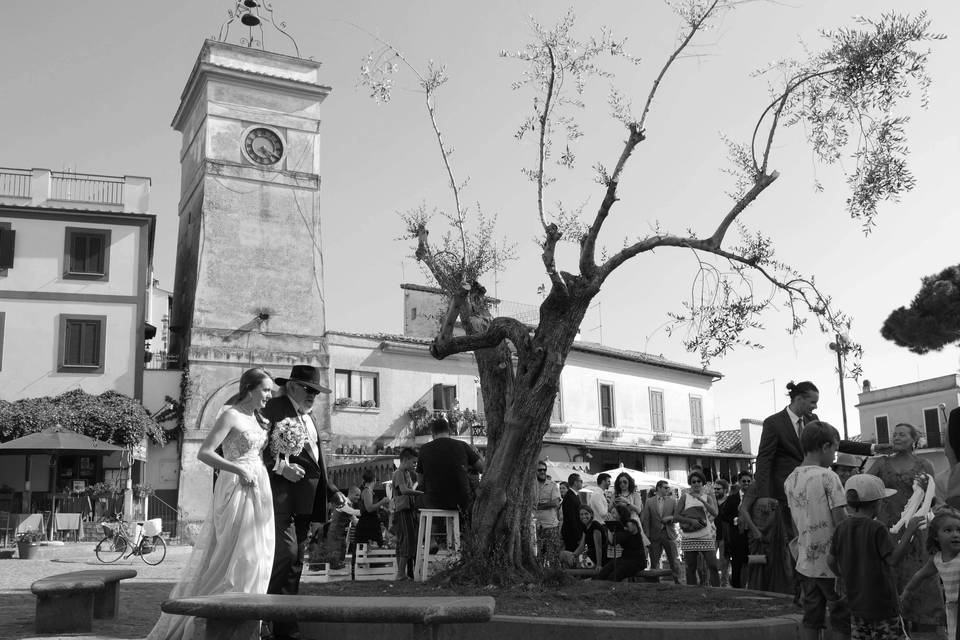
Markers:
point(643, 479)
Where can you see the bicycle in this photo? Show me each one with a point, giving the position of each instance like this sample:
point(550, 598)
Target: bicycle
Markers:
point(117, 544)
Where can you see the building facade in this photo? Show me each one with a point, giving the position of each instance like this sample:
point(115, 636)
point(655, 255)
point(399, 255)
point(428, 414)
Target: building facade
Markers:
point(615, 406)
point(76, 257)
point(924, 403)
point(75, 261)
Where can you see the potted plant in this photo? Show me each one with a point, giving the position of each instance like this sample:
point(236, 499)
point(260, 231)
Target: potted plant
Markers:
point(141, 491)
point(27, 544)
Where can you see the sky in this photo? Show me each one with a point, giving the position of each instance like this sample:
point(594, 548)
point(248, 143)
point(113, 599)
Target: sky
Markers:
point(93, 87)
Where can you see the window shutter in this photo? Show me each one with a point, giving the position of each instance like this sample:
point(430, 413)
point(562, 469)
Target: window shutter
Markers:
point(696, 415)
point(7, 242)
point(438, 397)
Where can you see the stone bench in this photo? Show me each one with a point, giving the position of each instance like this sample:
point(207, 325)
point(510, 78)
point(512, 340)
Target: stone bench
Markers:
point(234, 616)
point(70, 601)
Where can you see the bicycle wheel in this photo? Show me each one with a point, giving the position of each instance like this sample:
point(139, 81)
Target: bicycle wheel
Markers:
point(154, 551)
point(111, 549)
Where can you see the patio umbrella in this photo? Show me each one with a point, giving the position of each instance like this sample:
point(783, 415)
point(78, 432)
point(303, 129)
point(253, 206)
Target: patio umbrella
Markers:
point(56, 441)
point(643, 479)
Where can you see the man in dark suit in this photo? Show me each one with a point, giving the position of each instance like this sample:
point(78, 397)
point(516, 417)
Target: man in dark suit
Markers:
point(571, 529)
point(735, 544)
point(300, 487)
point(656, 518)
point(780, 451)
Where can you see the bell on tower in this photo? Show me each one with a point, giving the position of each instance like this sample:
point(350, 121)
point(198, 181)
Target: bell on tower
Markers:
point(253, 14)
point(248, 290)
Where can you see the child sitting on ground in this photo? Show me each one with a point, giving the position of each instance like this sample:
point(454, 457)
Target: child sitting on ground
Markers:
point(816, 500)
point(862, 554)
point(943, 543)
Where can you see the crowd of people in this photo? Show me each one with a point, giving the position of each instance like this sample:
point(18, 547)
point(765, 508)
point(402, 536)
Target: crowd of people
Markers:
point(857, 537)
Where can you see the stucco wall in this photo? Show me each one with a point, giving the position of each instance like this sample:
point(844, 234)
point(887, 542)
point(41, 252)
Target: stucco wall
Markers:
point(31, 346)
point(580, 398)
point(407, 374)
point(404, 379)
point(39, 264)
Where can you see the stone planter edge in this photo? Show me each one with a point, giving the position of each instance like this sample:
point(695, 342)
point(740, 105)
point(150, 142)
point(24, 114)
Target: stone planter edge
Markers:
point(529, 628)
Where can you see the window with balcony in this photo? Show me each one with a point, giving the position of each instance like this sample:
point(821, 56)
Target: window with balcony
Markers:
point(82, 344)
point(696, 415)
point(931, 424)
point(356, 388)
point(7, 242)
point(606, 405)
point(883, 429)
point(86, 254)
point(657, 422)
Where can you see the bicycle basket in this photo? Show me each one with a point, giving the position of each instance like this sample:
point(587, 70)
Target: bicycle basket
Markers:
point(109, 529)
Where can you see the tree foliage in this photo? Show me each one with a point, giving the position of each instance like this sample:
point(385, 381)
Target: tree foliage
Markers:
point(110, 416)
point(932, 321)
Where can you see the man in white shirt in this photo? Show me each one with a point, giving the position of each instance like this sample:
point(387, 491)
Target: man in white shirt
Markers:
point(597, 498)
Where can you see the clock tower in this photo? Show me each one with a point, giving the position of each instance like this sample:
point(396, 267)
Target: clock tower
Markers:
point(248, 290)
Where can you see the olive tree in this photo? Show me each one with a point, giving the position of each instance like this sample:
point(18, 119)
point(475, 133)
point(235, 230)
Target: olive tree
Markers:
point(846, 97)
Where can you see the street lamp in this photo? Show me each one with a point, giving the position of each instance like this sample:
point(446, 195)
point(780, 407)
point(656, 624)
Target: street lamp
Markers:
point(842, 346)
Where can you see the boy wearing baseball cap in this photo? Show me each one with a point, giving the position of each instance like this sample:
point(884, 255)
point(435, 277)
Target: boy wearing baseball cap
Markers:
point(862, 553)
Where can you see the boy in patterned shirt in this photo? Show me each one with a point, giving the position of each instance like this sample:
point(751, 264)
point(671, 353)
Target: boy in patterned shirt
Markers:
point(816, 500)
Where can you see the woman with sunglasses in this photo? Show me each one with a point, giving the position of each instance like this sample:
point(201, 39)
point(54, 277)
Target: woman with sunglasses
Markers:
point(695, 512)
point(625, 494)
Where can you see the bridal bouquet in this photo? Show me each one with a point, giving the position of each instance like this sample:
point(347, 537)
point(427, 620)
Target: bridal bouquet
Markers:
point(919, 503)
point(287, 440)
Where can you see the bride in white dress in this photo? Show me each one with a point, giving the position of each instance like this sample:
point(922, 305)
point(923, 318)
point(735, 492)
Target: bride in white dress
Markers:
point(234, 552)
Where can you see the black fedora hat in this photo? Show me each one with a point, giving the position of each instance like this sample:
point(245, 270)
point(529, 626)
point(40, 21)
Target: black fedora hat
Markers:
point(305, 375)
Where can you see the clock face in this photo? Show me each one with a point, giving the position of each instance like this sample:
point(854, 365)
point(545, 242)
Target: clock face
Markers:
point(263, 146)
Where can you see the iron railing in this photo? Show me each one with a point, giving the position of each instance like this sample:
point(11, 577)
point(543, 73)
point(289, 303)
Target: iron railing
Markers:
point(15, 183)
point(170, 515)
point(81, 187)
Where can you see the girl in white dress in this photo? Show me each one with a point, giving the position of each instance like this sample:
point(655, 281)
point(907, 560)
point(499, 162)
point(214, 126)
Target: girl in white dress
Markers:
point(234, 552)
point(943, 543)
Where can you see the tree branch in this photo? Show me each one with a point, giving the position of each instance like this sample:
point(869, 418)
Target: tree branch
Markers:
point(779, 103)
point(760, 184)
point(553, 236)
point(711, 244)
point(673, 56)
point(500, 329)
point(588, 265)
point(544, 119)
point(588, 245)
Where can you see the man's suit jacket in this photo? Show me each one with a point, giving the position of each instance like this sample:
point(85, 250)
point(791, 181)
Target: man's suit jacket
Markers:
point(780, 453)
point(572, 528)
point(735, 539)
point(311, 493)
point(652, 522)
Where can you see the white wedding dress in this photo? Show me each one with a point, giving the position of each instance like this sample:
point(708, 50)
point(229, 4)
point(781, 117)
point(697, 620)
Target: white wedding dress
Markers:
point(234, 552)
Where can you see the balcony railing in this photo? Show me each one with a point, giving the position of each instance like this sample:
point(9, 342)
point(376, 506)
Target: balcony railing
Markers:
point(474, 425)
point(79, 187)
point(15, 183)
point(40, 187)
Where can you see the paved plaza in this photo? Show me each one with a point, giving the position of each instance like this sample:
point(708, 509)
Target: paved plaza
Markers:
point(140, 597)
